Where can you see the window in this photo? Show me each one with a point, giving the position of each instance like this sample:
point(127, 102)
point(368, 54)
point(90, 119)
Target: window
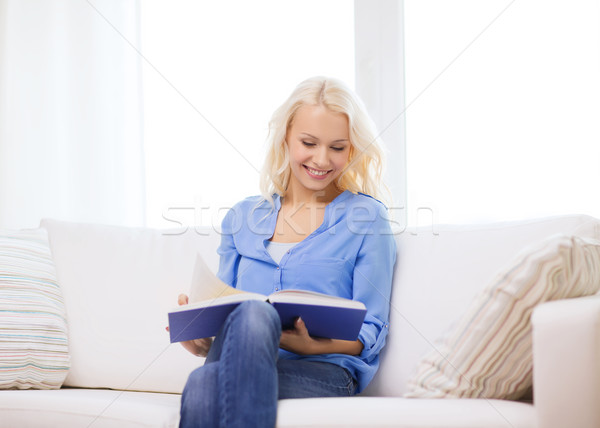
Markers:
point(503, 100)
point(216, 71)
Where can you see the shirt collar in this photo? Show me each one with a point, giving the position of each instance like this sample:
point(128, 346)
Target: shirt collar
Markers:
point(331, 213)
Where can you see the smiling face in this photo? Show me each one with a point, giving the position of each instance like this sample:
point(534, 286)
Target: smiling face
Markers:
point(319, 147)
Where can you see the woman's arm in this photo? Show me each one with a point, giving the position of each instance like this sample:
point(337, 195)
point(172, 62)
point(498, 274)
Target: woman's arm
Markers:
point(299, 341)
point(372, 282)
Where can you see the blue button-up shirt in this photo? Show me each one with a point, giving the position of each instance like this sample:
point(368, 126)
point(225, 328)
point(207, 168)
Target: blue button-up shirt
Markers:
point(351, 254)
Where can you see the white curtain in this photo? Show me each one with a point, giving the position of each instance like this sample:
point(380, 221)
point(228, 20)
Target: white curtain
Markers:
point(70, 112)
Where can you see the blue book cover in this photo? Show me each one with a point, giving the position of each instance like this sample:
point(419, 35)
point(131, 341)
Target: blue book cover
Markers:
point(332, 317)
point(332, 322)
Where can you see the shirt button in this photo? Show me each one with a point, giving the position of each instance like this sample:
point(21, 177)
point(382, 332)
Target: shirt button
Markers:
point(277, 267)
point(276, 289)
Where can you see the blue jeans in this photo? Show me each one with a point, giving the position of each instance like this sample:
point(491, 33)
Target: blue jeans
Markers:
point(242, 378)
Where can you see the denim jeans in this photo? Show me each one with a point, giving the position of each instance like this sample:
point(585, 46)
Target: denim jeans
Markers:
point(242, 378)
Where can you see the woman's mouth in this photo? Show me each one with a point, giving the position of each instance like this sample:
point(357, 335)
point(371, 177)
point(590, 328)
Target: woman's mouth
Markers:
point(316, 173)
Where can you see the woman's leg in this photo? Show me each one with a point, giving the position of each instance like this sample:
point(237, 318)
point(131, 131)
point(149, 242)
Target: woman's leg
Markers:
point(304, 379)
point(199, 401)
point(238, 385)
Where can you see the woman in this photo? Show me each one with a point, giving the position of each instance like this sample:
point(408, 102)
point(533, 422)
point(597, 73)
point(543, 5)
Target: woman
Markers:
point(313, 228)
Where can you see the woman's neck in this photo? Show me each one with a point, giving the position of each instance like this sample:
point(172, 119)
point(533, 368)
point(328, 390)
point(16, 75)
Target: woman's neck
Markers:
point(295, 197)
point(301, 213)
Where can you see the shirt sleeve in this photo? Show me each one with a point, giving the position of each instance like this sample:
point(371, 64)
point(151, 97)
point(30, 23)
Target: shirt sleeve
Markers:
point(229, 256)
point(372, 282)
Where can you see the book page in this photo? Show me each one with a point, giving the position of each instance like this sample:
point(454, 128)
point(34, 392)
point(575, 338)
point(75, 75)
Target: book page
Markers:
point(219, 301)
point(313, 298)
point(206, 285)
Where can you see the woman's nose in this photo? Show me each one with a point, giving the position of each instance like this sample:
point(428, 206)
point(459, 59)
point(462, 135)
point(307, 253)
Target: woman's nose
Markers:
point(320, 157)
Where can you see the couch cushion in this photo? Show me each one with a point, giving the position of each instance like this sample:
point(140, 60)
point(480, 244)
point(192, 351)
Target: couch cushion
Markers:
point(118, 285)
point(488, 354)
point(369, 412)
point(33, 330)
point(68, 408)
point(439, 272)
point(76, 408)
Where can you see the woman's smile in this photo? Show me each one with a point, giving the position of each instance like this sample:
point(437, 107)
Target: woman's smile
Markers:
point(318, 174)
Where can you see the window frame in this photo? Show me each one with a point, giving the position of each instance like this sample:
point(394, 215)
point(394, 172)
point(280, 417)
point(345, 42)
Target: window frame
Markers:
point(379, 81)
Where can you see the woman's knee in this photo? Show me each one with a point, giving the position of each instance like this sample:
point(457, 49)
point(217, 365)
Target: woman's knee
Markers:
point(260, 315)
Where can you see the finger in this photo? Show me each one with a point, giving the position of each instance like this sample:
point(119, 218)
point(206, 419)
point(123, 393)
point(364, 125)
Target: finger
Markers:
point(182, 299)
point(300, 326)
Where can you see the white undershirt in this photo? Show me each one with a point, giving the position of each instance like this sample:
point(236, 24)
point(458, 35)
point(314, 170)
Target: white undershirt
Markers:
point(278, 249)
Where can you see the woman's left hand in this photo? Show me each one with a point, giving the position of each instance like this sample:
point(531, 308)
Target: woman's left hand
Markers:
point(298, 340)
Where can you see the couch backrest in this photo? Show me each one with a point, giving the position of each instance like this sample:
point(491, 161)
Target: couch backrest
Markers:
point(437, 274)
point(119, 283)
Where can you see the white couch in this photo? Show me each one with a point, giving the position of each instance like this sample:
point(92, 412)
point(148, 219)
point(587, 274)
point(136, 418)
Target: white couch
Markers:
point(118, 284)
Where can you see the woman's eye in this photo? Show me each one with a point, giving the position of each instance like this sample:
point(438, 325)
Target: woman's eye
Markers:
point(338, 149)
point(307, 144)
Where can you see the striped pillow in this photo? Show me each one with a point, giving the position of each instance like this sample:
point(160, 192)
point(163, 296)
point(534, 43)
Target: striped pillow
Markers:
point(488, 353)
point(33, 328)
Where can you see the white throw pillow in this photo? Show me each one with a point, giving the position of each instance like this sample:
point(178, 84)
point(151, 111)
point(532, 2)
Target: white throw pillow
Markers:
point(33, 327)
point(488, 353)
point(118, 284)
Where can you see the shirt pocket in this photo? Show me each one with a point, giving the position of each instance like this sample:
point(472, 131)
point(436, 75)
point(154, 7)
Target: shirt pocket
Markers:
point(328, 275)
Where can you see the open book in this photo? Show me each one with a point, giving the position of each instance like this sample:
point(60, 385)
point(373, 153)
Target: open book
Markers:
point(211, 300)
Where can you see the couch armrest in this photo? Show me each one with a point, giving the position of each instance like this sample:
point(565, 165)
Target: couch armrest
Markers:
point(566, 363)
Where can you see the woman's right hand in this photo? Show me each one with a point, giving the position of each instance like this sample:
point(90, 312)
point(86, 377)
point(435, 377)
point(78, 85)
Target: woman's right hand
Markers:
point(198, 347)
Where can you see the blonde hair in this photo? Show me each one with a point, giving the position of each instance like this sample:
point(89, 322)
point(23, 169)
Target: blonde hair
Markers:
point(365, 165)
